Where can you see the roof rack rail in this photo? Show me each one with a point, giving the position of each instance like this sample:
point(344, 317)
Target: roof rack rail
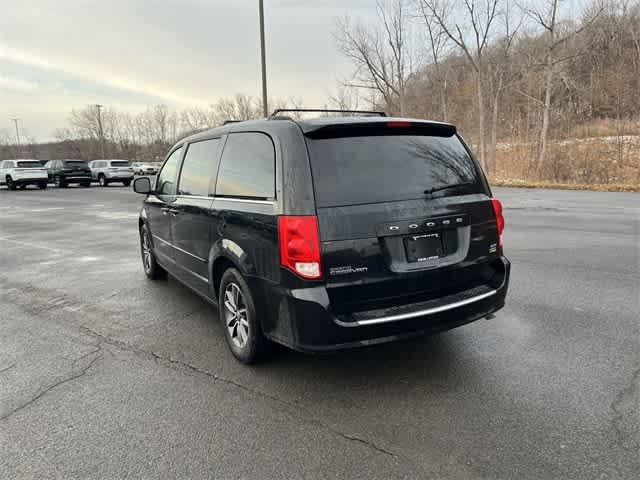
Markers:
point(325, 110)
point(226, 122)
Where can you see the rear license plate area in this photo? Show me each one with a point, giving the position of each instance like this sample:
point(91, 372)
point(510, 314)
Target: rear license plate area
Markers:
point(425, 247)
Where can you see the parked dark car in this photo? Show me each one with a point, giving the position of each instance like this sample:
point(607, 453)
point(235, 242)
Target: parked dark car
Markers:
point(64, 172)
point(327, 233)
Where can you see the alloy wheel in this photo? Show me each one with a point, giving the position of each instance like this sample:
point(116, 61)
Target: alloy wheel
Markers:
point(235, 311)
point(146, 252)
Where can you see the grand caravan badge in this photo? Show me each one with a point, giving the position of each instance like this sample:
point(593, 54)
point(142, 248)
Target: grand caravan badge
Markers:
point(347, 269)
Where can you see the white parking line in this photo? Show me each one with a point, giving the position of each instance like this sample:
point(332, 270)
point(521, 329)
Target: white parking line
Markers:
point(29, 244)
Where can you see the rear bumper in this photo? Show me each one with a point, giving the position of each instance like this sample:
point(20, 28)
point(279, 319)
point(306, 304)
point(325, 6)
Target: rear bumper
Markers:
point(303, 319)
point(29, 180)
point(76, 178)
point(119, 177)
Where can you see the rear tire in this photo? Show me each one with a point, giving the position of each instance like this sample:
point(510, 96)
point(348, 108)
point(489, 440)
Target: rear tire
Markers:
point(237, 313)
point(23, 186)
point(86, 184)
point(42, 186)
point(59, 182)
point(151, 268)
point(126, 183)
point(11, 185)
point(102, 180)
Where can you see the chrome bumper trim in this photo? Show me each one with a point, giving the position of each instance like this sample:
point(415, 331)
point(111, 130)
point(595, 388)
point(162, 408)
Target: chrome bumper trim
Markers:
point(419, 313)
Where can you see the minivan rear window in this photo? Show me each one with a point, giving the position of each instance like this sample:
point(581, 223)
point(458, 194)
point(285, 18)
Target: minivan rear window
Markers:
point(29, 165)
point(387, 168)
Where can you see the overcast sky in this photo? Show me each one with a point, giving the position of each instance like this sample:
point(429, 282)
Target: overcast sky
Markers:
point(56, 55)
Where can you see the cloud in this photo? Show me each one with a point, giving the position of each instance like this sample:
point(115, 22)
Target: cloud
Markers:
point(17, 84)
point(89, 72)
point(63, 54)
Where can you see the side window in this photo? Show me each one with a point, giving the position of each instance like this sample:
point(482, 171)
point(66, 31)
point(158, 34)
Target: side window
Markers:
point(48, 164)
point(247, 168)
point(166, 183)
point(199, 167)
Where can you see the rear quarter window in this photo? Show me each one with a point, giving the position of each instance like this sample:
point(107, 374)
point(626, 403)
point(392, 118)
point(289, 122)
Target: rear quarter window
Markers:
point(387, 168)
point(247, 167)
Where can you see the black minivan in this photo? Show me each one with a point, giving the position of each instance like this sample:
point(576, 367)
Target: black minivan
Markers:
point(327, 233)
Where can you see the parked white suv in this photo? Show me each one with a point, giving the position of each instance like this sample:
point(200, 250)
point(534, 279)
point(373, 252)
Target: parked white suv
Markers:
point(20, 173)
point(109, 171)
point(145, 168)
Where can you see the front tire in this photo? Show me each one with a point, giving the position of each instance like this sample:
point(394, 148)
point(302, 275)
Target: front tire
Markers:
point(102, 180)
point(151, 268)
point(126, 183)
point(86, 184)
point(59, 182)
point(11, 185)
point(238, 314)
point(42, 186)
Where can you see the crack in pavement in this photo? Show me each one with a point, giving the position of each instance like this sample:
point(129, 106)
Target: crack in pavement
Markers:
point(171, 362)
point(38, 310)
point(2, 370)
point(75, 375)
point(625, 404)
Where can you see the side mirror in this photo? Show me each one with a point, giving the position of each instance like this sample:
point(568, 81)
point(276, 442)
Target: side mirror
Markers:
point(142, 185)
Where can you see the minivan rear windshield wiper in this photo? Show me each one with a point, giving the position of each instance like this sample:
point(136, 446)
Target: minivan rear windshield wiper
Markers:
point(429, 191)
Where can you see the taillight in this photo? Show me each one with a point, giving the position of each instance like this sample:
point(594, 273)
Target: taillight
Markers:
point(497, 209)
point(300, 245)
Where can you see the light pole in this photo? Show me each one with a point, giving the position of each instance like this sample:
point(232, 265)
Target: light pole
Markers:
point(264, 61)
point(100, 131)
point(15, 121)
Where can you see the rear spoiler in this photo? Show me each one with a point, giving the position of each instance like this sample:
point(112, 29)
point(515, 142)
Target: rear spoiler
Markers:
point(379, 128)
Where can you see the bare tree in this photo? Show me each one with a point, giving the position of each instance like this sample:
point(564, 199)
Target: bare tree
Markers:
point(470, 31)
point(382, 54)
point(500, 74)
point(556, 34)
point(241, 107)
point(345, 98)
point(439, 48)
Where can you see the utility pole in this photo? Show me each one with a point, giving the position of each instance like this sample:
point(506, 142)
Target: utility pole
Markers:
point(265, 106)
point(15, 121)
point(100, 131)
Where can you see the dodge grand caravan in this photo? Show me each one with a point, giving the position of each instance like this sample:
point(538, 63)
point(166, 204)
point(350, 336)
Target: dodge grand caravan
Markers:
point(327, 233)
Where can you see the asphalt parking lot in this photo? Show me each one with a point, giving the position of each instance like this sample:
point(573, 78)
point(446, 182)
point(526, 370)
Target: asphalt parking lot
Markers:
point(104, 374)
